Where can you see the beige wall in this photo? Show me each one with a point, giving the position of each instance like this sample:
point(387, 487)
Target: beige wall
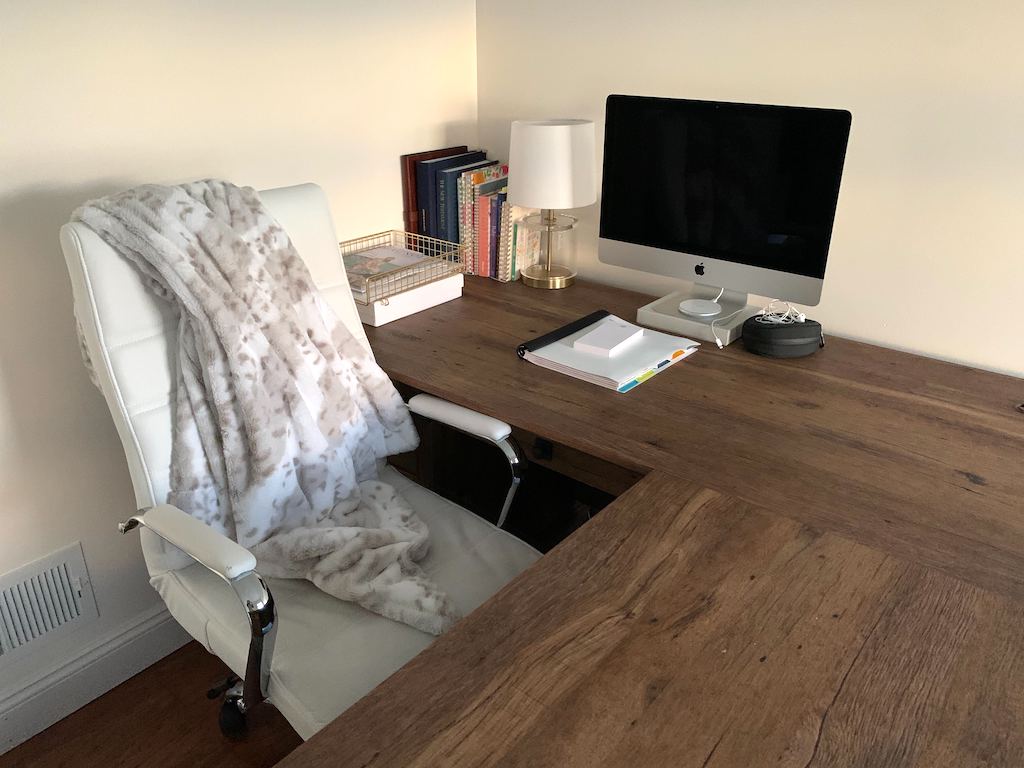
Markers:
point(929, 221)
point(98, 96)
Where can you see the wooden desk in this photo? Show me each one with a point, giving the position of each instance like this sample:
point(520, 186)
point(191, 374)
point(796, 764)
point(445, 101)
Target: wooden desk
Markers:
point(917, 457)
point(823, 565)
point(681, 628)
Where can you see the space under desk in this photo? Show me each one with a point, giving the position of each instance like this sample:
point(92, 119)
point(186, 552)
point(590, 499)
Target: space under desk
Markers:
point(822, 565)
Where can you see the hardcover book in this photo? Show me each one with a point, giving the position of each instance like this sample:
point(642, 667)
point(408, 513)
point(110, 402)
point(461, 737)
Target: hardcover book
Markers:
point(426, 186)
point(410, 208)
point(448, 198)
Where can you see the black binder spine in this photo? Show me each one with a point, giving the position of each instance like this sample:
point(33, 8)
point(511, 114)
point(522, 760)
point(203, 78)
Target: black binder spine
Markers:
point(560, 333)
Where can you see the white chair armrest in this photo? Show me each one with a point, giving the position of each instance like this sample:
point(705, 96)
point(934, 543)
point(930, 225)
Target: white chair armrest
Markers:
point(462, 419)
point(226, 558)
point(237, 566)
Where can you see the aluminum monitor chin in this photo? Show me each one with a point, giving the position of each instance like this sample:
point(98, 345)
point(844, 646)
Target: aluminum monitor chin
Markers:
point(736, 196)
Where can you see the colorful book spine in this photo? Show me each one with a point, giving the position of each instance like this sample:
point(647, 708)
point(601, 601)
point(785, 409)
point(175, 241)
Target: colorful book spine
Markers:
point(494, 231)
point(490, 179)
point(483, 235)
point(481, 254)
point(447, 198)
point(527, 246)
point(513, 231)
point(466, 222)
point(504, 271)
point(512, 249)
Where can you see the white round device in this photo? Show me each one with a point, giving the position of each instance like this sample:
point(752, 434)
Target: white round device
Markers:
point(700, 307)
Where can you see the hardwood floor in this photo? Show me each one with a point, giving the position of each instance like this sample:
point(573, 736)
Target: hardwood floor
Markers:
point(160, 718)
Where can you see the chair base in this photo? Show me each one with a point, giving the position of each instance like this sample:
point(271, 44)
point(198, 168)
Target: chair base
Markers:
point(231, 719)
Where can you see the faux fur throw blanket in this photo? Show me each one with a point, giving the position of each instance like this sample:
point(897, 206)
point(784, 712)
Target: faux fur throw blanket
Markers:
point(280, 414)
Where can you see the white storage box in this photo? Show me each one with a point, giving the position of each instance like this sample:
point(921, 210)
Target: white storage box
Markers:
point(410, 302)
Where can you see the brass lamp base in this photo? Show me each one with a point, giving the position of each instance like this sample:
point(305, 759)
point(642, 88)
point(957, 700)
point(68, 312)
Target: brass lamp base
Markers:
point(540, 276)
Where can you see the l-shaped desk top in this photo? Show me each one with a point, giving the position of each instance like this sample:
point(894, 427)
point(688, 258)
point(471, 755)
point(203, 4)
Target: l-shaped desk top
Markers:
point(823, 566)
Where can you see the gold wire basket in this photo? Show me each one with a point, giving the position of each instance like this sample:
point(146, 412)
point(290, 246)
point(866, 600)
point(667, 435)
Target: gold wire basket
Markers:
point(440, 259)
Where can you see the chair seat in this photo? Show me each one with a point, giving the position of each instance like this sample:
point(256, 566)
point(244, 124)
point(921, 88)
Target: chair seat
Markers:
point(330, 653)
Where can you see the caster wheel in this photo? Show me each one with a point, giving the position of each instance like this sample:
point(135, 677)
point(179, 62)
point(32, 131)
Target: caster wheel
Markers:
point(232, 722)
point(216, 692)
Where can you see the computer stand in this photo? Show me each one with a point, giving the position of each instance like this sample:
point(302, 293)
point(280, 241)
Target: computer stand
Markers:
point(664, 314)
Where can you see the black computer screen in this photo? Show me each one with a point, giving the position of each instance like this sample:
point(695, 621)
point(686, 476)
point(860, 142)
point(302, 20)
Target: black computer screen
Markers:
point(746, 183)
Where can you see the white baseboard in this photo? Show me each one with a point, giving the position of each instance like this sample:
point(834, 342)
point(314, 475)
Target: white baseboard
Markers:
point(108, 662)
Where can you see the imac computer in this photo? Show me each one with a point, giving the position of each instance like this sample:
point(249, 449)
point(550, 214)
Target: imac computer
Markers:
point(735, 198)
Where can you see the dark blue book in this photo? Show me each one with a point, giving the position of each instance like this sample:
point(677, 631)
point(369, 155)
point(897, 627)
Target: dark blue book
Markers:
point(495, 222)
point(448, 198)
point(426, 186)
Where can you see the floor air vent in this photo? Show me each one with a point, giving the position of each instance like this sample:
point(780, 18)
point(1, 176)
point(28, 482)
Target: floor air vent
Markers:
point(47, 597)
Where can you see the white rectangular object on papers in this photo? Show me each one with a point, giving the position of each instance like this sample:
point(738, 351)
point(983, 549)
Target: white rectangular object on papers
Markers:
point(609, 337)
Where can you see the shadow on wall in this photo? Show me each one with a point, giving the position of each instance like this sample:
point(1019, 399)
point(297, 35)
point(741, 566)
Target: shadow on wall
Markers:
point(57, 430)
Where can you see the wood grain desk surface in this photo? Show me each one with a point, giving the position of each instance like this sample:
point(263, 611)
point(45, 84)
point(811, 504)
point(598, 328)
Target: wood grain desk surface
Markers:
point(823, 566)
point(682, 628)
point(922, 458)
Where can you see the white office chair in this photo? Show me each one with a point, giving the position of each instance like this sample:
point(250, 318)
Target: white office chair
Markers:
point(314, 655)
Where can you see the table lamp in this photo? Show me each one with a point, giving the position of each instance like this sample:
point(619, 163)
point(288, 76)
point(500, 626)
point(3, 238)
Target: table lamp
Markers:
point(551, 166)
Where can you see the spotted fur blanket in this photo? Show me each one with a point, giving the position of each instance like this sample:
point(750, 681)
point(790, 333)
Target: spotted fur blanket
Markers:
point(280, 414)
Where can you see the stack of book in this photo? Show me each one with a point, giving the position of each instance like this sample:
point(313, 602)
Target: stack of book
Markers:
point(457, 194)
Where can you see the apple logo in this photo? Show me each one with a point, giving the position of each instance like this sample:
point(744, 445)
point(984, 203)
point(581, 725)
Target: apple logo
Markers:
point(699, 269)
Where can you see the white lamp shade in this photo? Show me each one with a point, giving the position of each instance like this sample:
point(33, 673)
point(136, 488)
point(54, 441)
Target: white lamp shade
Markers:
point(551, 164)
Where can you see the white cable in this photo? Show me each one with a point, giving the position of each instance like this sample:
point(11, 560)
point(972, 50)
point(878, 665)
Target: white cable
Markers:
point(714, 333)
point(768, 315)
point(772, 316)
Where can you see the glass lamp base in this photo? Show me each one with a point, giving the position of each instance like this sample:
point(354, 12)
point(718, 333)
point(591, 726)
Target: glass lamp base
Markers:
point(539, 276)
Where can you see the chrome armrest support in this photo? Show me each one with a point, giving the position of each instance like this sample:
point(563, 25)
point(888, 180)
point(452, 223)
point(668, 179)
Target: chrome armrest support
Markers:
point(517, 465)
point(254, 594)
point(482, 427)
point(250, 588)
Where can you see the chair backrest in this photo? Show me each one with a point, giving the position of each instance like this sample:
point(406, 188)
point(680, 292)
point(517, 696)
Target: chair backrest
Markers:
point(129, 335)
